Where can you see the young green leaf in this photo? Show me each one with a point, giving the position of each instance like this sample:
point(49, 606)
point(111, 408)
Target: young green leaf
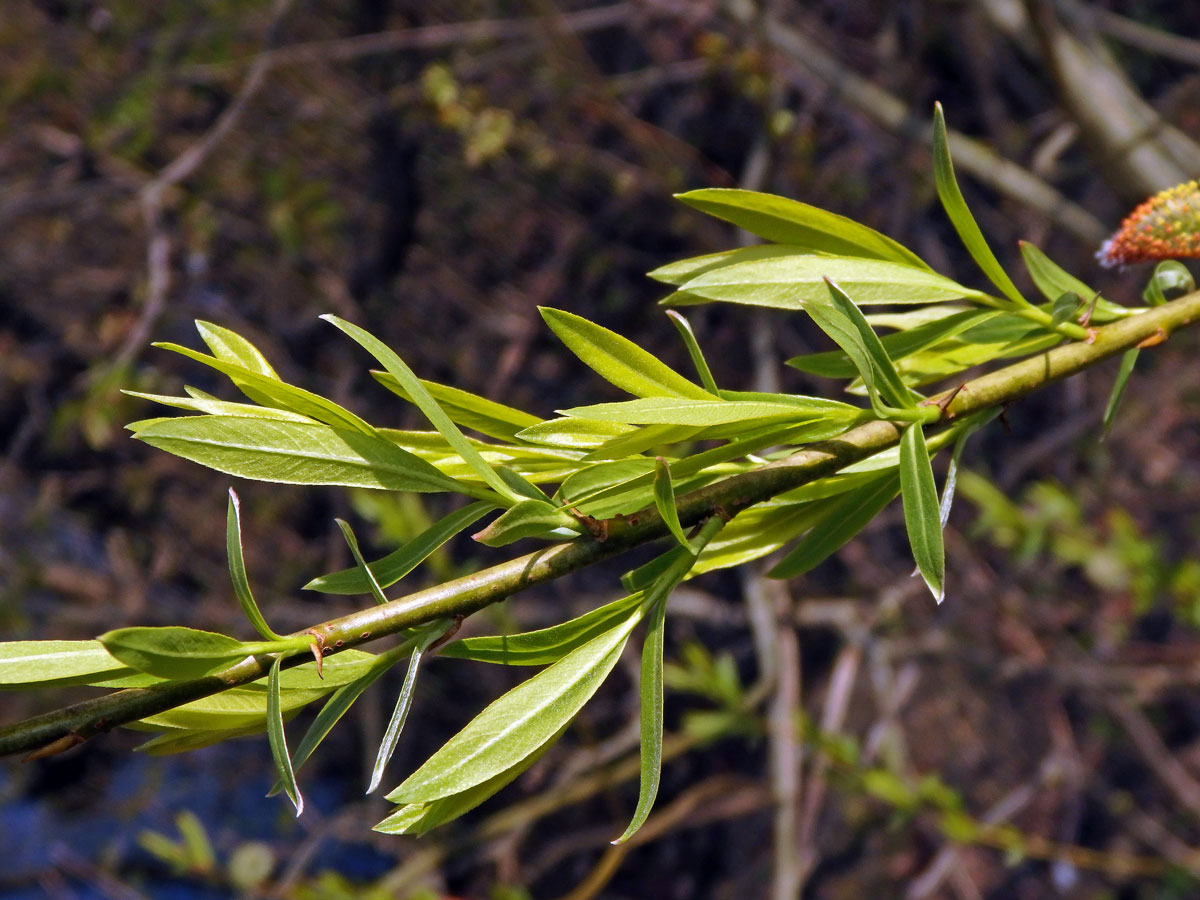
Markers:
point(619, 360)
point(651, 718)
point(922, 517)
point(1053, 281)
point(683, 270)
point(216, 407)
point(295, 453)
point(55, 663)
point(664, 499)
point(391, 568)
point(546, 645)
point(519, 723)
point(1170, 277)
point(237, 569)
point(786, 221)
point(1128, 360)
point(467, 409)
point(573, 434)
point(391, 734)
point(836, 364)
point(703, 413)
point(278, 739)
point(791, 282)
point(647, 437)
point(174, 651)
point(270, 391)
point(424, 401)
point(960, 216)
point(693, 347)
point(233, 348)
point(839, 318)
point(840, 520)
point(352, 542)
point(529, 518)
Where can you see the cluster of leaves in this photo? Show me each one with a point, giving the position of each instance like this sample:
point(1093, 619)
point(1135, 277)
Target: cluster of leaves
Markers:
point(566, 476)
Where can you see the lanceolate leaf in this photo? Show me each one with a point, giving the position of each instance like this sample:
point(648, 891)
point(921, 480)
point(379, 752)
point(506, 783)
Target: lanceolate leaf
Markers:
point(1128, 360)
point(651, 718)
point(618, 360)
point(270, 391)
point(787, 221)
point(420, 396)
point(295, 453)
point(237, 570)
point(215, 407)
point(467, 409)
point(843, 517)
point(519, 723)
point(529, 518)
point(391, 735)
point(922, 517)
point(700, 413)
point(233, 348)
point(677, 273)
point(53, 663)
point(278, 739)
point(693, 347)
point(546, 645)
point(174, 651)
point(664, 499)
point(790, 282)
point(391, 568)
point(960, 216)
point(573, 434)
point(839, 318)
point(352, 543)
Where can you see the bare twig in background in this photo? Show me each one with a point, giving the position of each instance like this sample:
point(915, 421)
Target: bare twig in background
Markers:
point(1165, 767)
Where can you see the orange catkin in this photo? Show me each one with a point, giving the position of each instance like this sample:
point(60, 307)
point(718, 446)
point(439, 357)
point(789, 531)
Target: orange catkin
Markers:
point(1167, 226)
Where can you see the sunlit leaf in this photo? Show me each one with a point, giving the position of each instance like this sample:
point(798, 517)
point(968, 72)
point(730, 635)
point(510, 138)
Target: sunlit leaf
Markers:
point(791, 282)
point(1053, 281)
point(233, 348)
point(467, 409)
point(922, 516)
point(173, 651)
point(237, 569)
point(529, 518)
point(786, 221)
point(693, 347)
point(55, 663)
point(664, 500)
point(352, 542)
point(1128, 360)
point(421, 397)
point(702, 413)
point(677, 273)
point(618, 360)
point(294, 453)
point(960, 215)
point(574, 434)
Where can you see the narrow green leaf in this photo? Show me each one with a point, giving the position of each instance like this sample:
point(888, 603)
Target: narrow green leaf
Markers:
point(842, 518)
point(56, 663)
point(174, 651)
point(1064, 308)
point(839, 318)
point(647, 437)
point(391, 568)
point(278, 739)
point(391, 735)
point(270, 391)
point(529, 518)
point(420, 817)
point(1053, 281)
point(237, 569)
point(519, 723)
point(618, 360)
point(216, 407)
point(424, 401)
point(791, 282)
point(352, 542)
point(295, 453)
point(693, 348)
point(837, 364)
point(786, 221)
point(573, 434)
point(546, 645)
point(651, 719)
point(467, 409)
point(1128, 360)
point(233, 348)
point(960, 216)
point(677, 273)
point(922, 517)
point(664, 499)
point(706, 413)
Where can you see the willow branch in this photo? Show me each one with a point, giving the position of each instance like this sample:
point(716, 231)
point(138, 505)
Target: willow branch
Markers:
point(471, 593)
